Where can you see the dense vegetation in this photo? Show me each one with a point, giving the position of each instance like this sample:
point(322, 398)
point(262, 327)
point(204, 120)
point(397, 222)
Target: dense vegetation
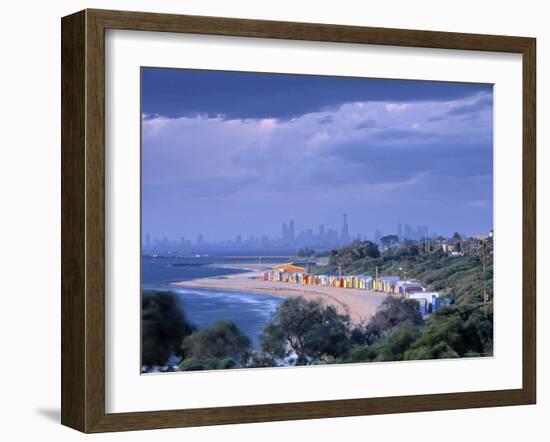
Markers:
point(308, 332)
point(163, 327)
point(461, 278)
point(305, 332)
point(222, 345)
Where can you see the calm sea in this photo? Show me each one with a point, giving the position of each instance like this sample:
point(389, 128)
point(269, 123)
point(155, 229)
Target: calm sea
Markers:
point(203, 307)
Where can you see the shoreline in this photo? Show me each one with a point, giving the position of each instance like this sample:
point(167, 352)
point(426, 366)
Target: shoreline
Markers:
point(359, 304)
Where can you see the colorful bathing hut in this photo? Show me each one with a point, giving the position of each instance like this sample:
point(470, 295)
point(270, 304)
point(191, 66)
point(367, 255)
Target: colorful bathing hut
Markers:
point(287, 273)
point(289, 268)
point(387, 285)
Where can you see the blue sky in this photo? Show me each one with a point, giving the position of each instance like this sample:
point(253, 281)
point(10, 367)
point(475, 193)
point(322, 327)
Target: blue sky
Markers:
point(228, 153)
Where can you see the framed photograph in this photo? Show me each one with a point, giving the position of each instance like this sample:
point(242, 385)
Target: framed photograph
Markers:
point(267, 221)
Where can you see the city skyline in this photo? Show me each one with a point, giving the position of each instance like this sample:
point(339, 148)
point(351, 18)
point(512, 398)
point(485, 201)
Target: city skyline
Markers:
point(321, 238)
point(231, 153)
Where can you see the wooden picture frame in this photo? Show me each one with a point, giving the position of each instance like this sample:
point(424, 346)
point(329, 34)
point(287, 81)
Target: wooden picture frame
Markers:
point(83, 220)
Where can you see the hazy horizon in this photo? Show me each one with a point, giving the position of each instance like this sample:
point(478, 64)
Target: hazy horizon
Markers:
point(234, 153)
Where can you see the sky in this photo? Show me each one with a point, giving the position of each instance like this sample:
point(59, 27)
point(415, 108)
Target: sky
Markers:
point(238, 153)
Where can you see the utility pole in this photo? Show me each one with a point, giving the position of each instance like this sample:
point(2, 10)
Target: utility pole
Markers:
point(484, 262)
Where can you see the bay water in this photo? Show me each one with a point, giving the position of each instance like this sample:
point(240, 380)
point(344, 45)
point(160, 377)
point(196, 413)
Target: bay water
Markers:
point(203, 307)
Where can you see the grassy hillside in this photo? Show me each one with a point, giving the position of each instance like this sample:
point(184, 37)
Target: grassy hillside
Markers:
point(461, 278)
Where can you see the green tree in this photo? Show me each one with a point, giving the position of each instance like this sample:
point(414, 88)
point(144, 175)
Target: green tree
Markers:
point(392, 348)
point(193, 364)
point(392, 314)
point(305, 253)
point(221, 345)
point(457, 241)
point(163, 326)
point(411, 248)
point(357, 255)
point(309, 329)
point(455, 331)
point(389, 240)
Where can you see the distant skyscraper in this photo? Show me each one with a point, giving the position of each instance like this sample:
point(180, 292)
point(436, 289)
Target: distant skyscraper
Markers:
point(321, 232)
point(285, 233)
point(291, 231)
point(332, 236)
point(377, 236)
point(344, 235)
point(408, 234)
point(425, 232)
point(399, 230)
point(147, 240)
point(421, 232)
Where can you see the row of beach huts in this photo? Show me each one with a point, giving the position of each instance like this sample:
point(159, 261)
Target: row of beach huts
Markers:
point(390, 285)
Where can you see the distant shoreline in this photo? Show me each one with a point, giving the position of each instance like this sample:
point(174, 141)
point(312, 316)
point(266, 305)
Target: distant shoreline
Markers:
point(359, 304)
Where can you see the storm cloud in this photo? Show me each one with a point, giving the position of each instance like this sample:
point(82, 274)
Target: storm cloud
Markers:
point(226, 153)
point(176, 93)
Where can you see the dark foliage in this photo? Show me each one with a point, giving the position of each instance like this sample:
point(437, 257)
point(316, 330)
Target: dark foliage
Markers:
point(349, 259)
point(389, 240)
point(163, 327)
point(221, 345)
point(461, 278)
point(310, 330)
point(192, 364)
point(456, 331)
point(305, 253)
point(392, 314)
point(391, 348)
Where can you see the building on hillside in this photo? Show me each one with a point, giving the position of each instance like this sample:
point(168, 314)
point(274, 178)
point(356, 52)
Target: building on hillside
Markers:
point(406, 287)
point(423, 306)
point(431, 301)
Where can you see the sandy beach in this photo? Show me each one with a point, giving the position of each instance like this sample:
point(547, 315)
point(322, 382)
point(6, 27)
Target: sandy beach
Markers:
point(360, 305)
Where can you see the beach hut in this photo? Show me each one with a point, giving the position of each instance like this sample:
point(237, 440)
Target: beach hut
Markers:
point(349, 282)
point(388, 283)
point(406, 287)
point(422, 306)
point(290, 268)
point(436, 304)
point(367, 280)
point(431, 298)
